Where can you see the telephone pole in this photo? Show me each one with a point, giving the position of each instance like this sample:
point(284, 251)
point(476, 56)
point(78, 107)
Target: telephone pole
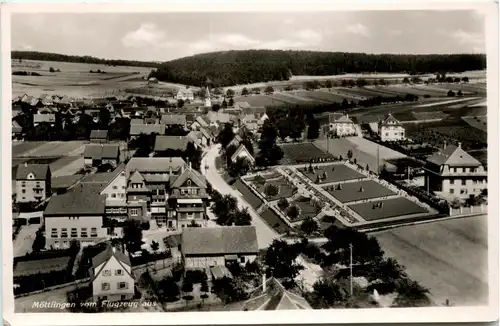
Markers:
point(350, 269)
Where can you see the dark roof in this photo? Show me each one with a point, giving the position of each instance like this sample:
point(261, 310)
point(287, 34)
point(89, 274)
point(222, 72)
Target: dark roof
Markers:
point(172, 241)
point(190, 174)
point(65, 181)
point(40, 171)
point(219, 240)
point(136, 121)
point(107, 253)
point(101, 151)
point(390, 120)
point(99, 134)
point(454, 156)
point(173, 119)
point(163, 143)
point(154, 164)
point(80, 200)
point(137, 129)
point(39, 118)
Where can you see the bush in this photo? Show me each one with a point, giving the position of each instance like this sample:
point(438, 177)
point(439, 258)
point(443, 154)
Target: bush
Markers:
point(196, 276)
point(51, 69)
point(293, 212)
point(271, 190)
point(283, 204)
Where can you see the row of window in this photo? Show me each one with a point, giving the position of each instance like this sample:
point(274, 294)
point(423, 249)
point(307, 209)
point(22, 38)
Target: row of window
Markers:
point(105, 286)
point(54, 233)
point(23, 183)
point(113, 195)
point(107, 272)
point(116, 210)
point(190, 191)
point(464, 182)
point(464, 170)
point(395, 134)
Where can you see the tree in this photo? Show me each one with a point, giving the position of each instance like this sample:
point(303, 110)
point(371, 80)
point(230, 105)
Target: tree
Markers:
point(224, 208)
point(204, 289)
point(39, 242)
point(361, 82)
point(104, 118)
point(271, 190)
point(242, 217)
point(411, 294)
point(155, 246)
point(406, 80)
point(240, 167)
point(382, 82)
point(51, 69)
point(269, 90)
point(281, 258)
point(231, 102)
point(451, 93)
point(389, 271)
point(313, 129)
point(325, 294)
point(465, 79)
point(349, 154)
point(270, 153)
point(168, 290)
point(180, 103)
point(459, 93)
point(309, 226)
point(328, 84)
point(256, 90)
point(228, 290)
point(226, 135)
point(187, 285)
point(293, 212)
point(132, 235)
point(283, 204)
point(216, 107)
point(230, 93)
point(244, 91)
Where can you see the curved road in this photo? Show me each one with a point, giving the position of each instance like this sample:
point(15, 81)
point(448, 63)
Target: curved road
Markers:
point(265, 234)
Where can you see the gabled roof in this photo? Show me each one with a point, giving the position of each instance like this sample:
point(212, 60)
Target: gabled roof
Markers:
point(240, 149)
point(104, 256)
point(203, 121)
point(390, 120)
point(136, 121)
point(39, 171)
point(173, 119)
point(190, 174)
point(137, 129)
point(219, 240)
point(256, 110)
point(16, 127)
point(453, 156)
point(101, 151)
point(136, 177)
point(163, 143)
point(99, 181)
point(154, 164)
point(39, 118)
point(99, 134)
point(65, 181)
point(219, 117)
point(275, 297)
point(80, 200)
point(195, 136)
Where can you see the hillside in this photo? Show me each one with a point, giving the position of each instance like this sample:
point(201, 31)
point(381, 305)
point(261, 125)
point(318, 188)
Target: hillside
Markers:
point(45, 56)
point(253, 66)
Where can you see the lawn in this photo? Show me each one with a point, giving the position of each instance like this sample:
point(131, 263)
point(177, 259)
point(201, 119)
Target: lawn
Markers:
point(448, 257)
point(354, 191)
point(248, 195)
point(390, 208)
point(334, 173)
point(302, 152)
point(286, 189)
point(274, 221)
point(306, 209)
point(63, 162)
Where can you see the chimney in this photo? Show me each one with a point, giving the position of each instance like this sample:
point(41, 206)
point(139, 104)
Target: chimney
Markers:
point(459, 145)
point(264, 282)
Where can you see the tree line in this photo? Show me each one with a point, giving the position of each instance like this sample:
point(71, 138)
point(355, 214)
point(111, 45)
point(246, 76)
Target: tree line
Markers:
point(251, 66)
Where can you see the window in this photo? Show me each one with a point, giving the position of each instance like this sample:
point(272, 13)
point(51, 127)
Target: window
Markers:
point(115, 187)
point(387, 134)
point(122, 285)
point(123, 187)
point(464, 182)
point(122, 195)
point(106, 272)
point(83, 233)
point(23, 191)
point(23, 183)
point(123, 297)
point(93, 232)
point(474, 182)
point(242, 259)
point(189, 183)
point(452, 191)
point(452, 181)
point(119, 272)
point(53, 233)
point(134, 212)
point(64, 233)
point(74, 233)
point(463, 191)
point(113, 195)
point(105, 286)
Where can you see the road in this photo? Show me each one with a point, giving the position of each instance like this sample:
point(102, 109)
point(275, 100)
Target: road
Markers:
point(265, 234)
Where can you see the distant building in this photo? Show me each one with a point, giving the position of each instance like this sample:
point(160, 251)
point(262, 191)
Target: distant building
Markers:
point(390, 129)
point(16, 129)
point(341, 125)
point(76, 215)
point(185, 94)
point(146, 129)
point(455, 173)
point(44, 118)
point(97, 154)
point(99, 136)
point(164, 143)
point(200, 122)
point(33, 183)
point(111, 276)
point(242, 152)
point(204, 248)
point(174, 120)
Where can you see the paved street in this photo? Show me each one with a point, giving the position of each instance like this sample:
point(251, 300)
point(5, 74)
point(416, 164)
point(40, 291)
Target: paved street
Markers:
point(265, 234)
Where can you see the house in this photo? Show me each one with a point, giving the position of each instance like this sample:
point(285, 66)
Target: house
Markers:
point(136, 121)
point(390, 129)
point(33, 183)
point(185, 94)
point(99, 136)
point(163, 143)
point(219, 118)
point(111, 276)
point(272, 295)
point(61, 184)
point(242, 152)
point(203, 248)
point(235, 142)
point(16, 129)
point(44, 118)
point(146, 129)
point(97, 154)
point(200, 122)
point(188, 199)
point(174, 120)
point(200, 137)
point(76, 215)
point(454, 173)
point(341, 125)
point(250, 122)
point(259, 112)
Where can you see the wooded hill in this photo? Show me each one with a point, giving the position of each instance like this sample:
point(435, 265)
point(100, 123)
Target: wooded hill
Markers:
point(252, 66)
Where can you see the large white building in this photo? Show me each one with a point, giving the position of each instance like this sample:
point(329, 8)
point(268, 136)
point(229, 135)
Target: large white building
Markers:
point(390, 129)
point(341, 125)
point(185, 94)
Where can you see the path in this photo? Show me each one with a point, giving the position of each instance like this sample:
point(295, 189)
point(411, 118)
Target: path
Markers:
point(265, 234)
point(24, 240)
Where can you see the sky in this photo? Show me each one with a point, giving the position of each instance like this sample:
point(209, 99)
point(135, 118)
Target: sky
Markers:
point(168, 36)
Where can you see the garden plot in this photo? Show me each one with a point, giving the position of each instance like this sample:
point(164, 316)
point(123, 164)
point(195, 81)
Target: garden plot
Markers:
point(431, 115)
point(355, 191)
point(275, 189)
point(292, 98)
point(56, 148)
point(259, 100)
point(305, 209)
point(359, 91)
point(67, 165)
point(331, 173)
point(389, 208)
point(274, 221)
point(248, 195)
point(322, 96)
point(403, 90)
point(303, 152)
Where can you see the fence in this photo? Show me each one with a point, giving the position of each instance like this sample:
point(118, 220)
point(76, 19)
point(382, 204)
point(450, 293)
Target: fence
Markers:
point(156, 265)
point(470, 210)
point(83, 281)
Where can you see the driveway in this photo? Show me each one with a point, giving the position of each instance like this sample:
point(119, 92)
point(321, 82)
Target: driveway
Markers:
point(265, 234)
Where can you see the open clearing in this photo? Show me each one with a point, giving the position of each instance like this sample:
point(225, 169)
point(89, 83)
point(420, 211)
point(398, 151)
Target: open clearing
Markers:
point(448, 257)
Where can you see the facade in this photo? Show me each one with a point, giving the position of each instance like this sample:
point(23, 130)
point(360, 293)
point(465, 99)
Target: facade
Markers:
point(33, 183)
point(111, 275)
point(99, 136)
point(44, 118)
point(97, 154)
point(455, 173)
point(341, 125)
point(242, 152)
point(390, 129)
point(75, 216)
point(185, 94)
point(204, 248)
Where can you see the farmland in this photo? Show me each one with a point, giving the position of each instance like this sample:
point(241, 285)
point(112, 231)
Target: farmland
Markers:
point(363, 190)
point(390, 208)
point(302, 152)
point(448, 257)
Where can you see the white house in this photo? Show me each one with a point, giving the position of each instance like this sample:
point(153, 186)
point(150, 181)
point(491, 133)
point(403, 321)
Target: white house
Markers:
point(185, 94)
point(111, 275)
point(242, 152)
point(390, 129)
point(204, 248)
point(341, 125)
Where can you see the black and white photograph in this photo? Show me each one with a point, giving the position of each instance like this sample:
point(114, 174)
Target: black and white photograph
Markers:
point(249, 160)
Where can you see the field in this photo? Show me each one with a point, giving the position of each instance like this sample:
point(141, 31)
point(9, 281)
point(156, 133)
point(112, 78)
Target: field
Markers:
point(354, 191)
point(303, 152)
point(390, 208)
point(479, 122)
point(334, 173)
point(420, 91)
point(75, 79)
point(321, 96)
point(52, 149)
point(448, 257)
point(259, 100)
